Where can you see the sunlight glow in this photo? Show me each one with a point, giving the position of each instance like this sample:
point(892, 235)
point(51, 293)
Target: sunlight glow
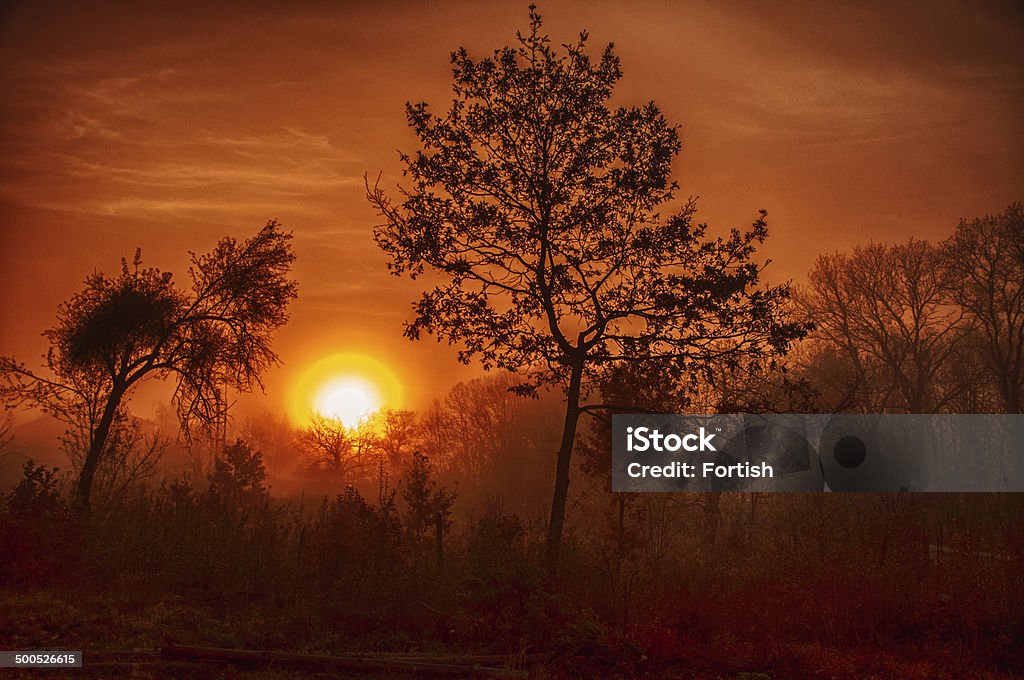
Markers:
point(348, 386)
point(349, 400)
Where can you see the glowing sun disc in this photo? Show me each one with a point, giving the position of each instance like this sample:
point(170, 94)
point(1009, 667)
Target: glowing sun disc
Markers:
point(349, 400)
point(348, 386)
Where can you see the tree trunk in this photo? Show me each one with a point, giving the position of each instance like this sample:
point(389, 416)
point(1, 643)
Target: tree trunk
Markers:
point(1010, 389)
point(439, 541)
point(98, 442)
point(572, 415)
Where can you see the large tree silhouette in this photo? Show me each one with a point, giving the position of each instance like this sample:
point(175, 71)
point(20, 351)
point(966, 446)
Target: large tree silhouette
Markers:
point(119, 331)
point(535, 204)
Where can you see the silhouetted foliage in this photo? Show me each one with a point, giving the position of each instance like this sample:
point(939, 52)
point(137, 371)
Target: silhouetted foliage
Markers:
point(238, 477)
point(357, 550)
point(118, 331)
point(537, 204)
point(835, 571)
point(37, 494)
point(36, 539)
point(429, 506)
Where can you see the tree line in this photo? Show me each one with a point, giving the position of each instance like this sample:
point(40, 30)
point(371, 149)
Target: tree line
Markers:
point(917, 327)
point(546, 219)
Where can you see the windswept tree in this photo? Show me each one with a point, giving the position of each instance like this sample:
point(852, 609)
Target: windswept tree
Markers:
point(985, 257)
point(535, 204)
point(119, 331)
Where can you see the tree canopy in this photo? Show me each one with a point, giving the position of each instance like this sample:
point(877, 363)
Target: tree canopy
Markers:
point(535, 204)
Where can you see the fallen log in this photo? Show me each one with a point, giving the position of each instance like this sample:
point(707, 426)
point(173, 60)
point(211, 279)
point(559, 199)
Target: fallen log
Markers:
point(345, 663)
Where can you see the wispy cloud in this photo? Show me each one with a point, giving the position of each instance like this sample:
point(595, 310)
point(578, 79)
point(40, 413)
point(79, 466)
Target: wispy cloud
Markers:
point(127, 135)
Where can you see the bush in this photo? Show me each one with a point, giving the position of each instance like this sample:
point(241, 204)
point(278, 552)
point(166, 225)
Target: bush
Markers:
point(37, 539)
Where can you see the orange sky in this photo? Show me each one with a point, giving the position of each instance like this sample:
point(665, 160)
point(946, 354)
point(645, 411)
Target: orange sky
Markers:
point(167, 127)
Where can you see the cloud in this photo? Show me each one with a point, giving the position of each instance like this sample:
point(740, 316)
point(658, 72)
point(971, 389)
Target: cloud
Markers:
point(162, 141)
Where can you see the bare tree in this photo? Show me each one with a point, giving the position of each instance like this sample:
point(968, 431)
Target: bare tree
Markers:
point(119, 331)
point(986, 259)
point(397, 437)
point(435, 436)
point(480, 417)
point(336, 449)
point(889, 312)
point(274, 436)
point(493, 442)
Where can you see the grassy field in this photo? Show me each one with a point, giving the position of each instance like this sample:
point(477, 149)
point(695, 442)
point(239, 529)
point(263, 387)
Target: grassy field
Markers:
point(830, 586)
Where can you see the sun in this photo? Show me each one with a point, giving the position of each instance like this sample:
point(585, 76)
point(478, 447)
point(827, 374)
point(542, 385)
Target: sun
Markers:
point(349, 400)
point(347, 386)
